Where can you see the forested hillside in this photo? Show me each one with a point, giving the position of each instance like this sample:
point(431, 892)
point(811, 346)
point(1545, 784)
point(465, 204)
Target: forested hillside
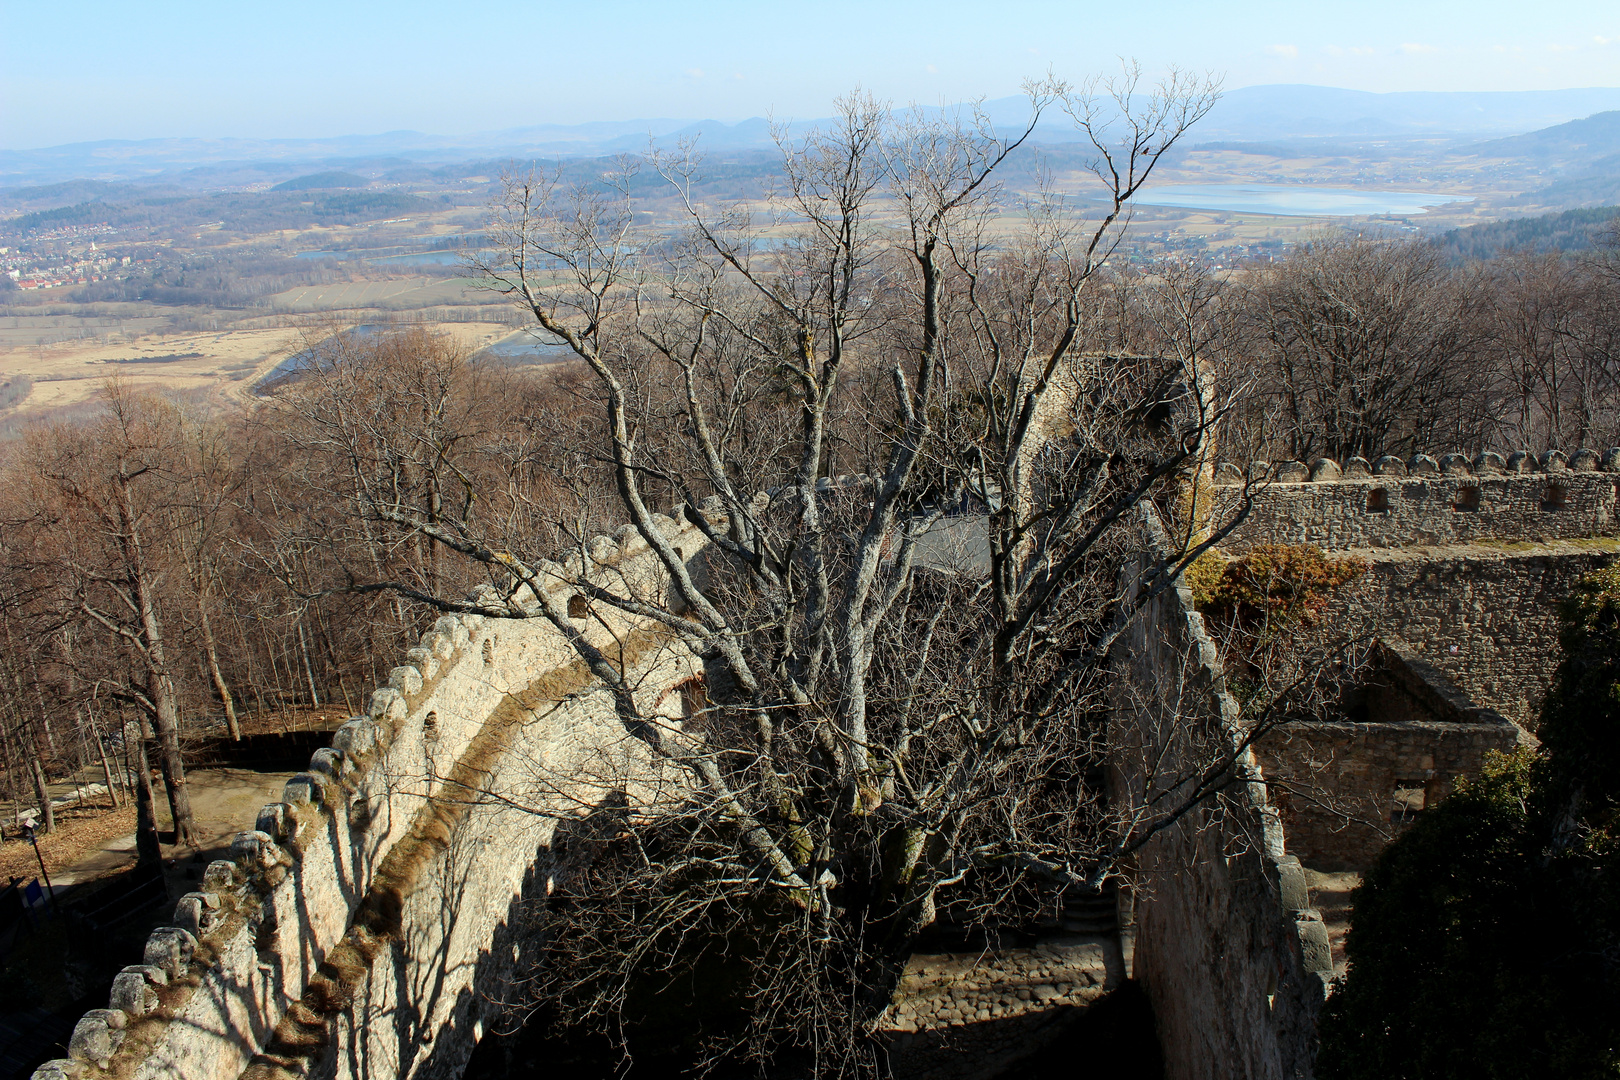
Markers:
point(1571, 230)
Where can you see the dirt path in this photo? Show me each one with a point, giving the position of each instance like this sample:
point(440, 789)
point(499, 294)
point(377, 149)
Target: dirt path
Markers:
point(93, 841)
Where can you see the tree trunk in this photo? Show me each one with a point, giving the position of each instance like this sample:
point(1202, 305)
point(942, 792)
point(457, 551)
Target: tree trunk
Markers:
point(165, 712)
point(148, 852)
point(166, 724)
point(47, 816)
point(211, 653)
point(106, 766)
point(309, 671)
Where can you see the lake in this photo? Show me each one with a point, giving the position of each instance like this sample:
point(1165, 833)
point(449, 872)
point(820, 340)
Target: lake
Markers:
point(1295, 200)
point(526, 346)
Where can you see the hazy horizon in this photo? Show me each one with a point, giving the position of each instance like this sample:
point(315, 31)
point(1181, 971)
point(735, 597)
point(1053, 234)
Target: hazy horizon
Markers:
point(99, 71)
point(671, 122)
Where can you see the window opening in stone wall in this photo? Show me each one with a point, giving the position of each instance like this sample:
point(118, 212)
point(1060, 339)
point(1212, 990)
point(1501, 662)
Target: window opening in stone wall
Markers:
point(1554, 497)
point(1408, 802)
point(577, 607)
point(1467, 500)
point(1378, 501)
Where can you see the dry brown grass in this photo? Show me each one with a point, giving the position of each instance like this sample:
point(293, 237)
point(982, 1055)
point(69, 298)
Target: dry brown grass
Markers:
point(78, 832)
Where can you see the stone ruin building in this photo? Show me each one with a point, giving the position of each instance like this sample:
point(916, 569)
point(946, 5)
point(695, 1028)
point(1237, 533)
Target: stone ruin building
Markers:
point(1468, 560)
point(364, 925)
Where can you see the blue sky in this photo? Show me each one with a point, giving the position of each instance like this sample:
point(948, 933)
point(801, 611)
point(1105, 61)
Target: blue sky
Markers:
point(75, 70)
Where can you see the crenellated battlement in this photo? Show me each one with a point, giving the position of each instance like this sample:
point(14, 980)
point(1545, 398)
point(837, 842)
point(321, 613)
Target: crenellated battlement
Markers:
point(1424, 501)
point(337, 892)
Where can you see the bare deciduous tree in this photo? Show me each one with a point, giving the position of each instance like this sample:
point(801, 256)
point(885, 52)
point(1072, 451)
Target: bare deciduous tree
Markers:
point(112, 492)
point(905, 667)
point(1368, 349)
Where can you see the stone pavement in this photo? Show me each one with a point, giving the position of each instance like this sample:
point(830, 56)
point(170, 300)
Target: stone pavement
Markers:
point(969, 1015)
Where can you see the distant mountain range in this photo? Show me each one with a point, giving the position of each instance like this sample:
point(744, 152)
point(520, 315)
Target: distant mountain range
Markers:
point(1588, 141)
point(1254, 113)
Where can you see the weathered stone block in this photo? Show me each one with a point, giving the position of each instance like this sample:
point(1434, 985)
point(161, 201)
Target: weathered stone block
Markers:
point(60, 1069)
point(1296, 893)
point(1325, 471)
point(1455, 465)
point(450, 626)
point(357, 738)
point(1316, 954)
point(1584, 461)
point(330, 763)
point(1422, 465)
point(132, 994)
point(1610, 462)
point(197, 913)
point(1227, 474)
point(602, 550)
point(1389, 466)
point(1521, 461)
point(423, 662)
point(440, 645)
point(387, 704)
point(301, 789)
point(169, 949)
point(97, 1036)
point(1357, 468)
point(220, 877)
point(254, 850)
point(1553, 461)
point(1291, 472)
point(275, 819)
point(1489, 464)
point(408, 680)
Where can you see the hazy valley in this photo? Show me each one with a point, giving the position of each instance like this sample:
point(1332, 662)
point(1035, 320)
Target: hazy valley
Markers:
point(178, 265)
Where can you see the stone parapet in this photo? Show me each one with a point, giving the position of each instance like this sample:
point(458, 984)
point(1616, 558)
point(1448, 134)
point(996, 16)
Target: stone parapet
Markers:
point(279, 922)
point(1424, 501)
point(1227, 946)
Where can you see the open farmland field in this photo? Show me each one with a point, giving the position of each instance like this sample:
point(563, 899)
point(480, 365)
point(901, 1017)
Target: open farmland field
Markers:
point(214, 368)
point(397, 294)
point(20, 331)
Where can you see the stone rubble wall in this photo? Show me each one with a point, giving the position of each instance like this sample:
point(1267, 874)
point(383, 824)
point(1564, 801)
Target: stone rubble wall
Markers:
point(1226, 947)
point(1484, 615)
point(1334, 783)
point(1424, 501)
point(393, 824)
point(970, 1015)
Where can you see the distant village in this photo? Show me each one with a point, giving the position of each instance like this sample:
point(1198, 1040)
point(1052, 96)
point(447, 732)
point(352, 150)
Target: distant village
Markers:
point(57, 257)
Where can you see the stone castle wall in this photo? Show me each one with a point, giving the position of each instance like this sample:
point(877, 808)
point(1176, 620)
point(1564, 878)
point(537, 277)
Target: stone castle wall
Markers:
point(1484, 615)
point(1226, 944)
point(1422, 503)
point(1407, 728)
point(1334, 783)
point(387, 877)
point(1468, 561)
point(362, 928)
